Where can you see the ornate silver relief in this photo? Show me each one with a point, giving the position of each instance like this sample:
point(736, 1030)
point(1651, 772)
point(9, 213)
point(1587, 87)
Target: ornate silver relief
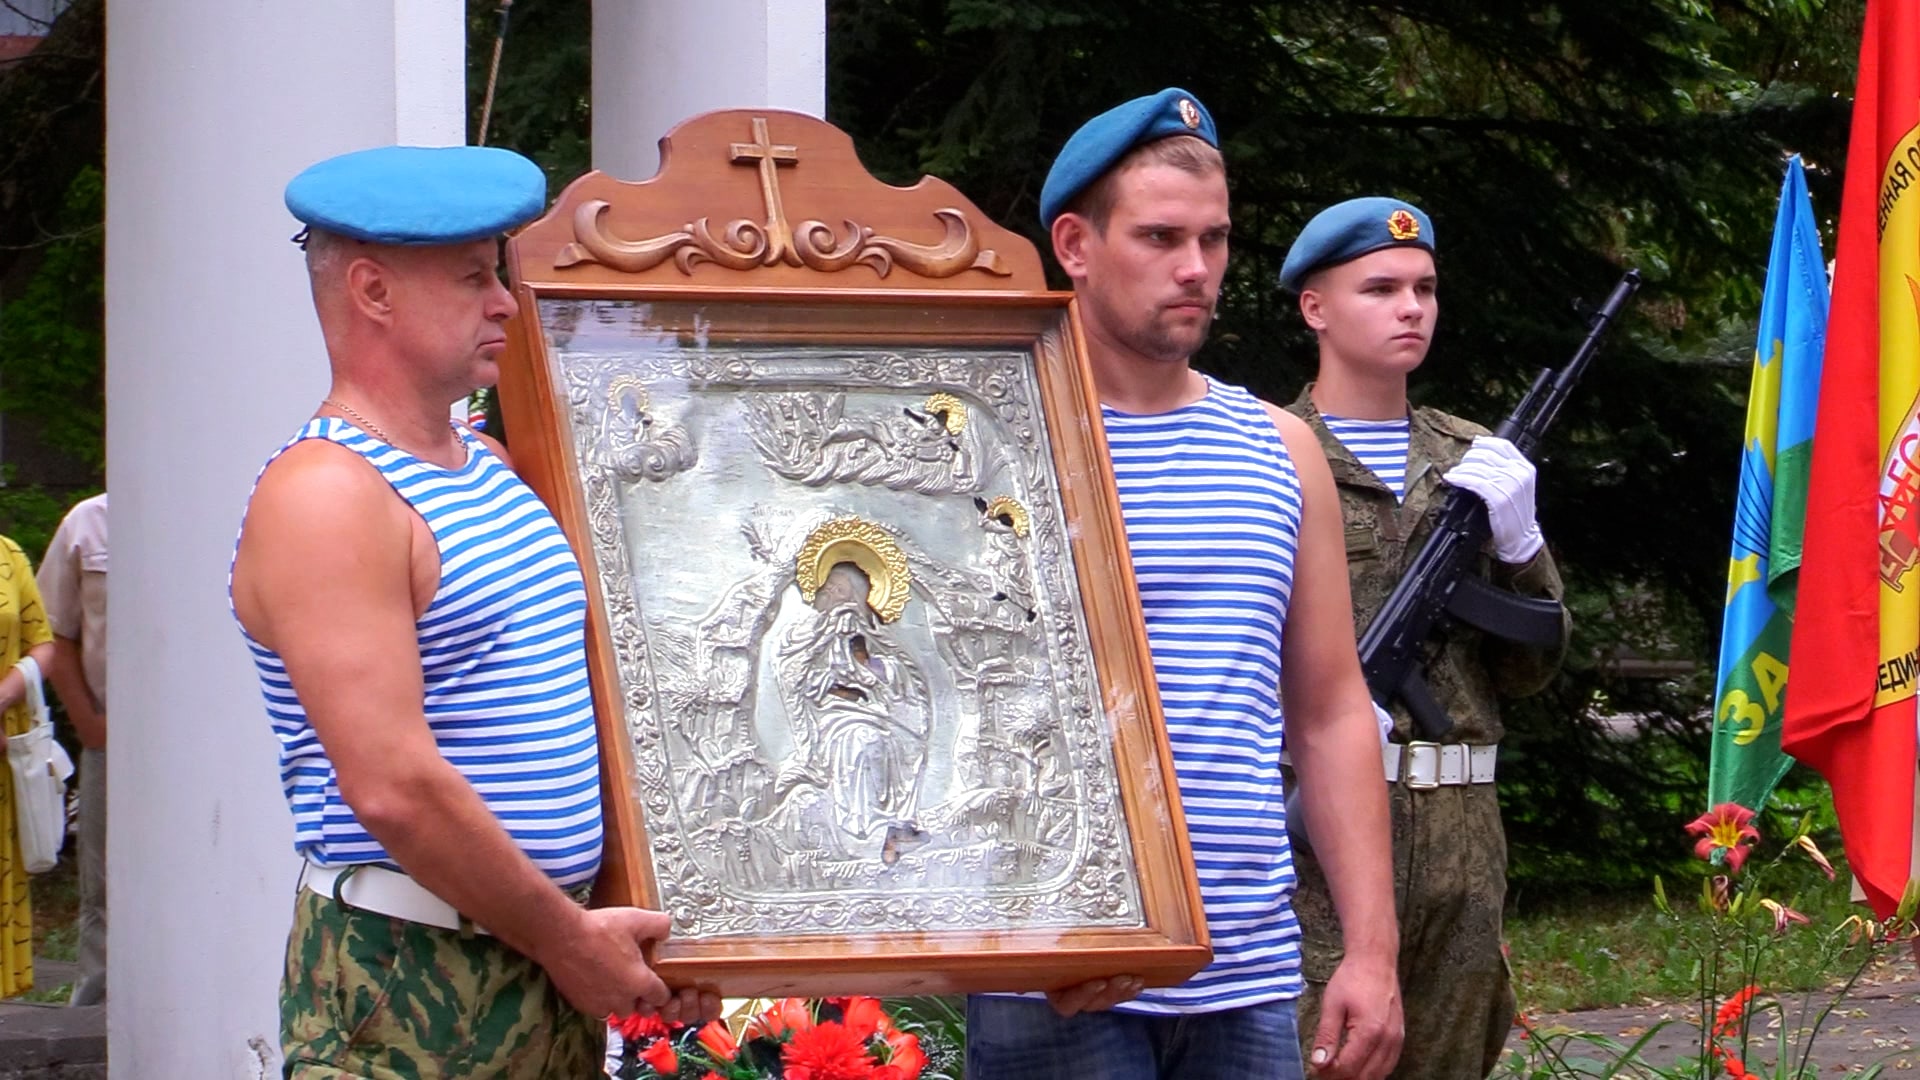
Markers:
point(843, 608)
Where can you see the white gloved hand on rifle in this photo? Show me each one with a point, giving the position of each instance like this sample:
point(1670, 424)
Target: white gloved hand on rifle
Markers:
point(1496, 471)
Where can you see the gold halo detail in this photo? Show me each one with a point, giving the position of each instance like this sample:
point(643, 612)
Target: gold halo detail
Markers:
point(952, 408)
point(865, 545)
point(1009, 507)
point(642, 400)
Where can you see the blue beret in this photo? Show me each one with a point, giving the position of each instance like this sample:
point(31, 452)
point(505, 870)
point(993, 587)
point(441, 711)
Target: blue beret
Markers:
point(419, 194)
point(1351, 229)
point(1106, 139)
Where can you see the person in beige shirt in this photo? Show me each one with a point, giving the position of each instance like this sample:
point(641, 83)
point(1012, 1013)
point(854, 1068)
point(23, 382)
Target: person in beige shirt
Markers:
point(73, 589)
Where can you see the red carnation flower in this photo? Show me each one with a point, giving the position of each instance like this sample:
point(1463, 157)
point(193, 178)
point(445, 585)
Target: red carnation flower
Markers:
point(828, 1051)
point(636, 1026)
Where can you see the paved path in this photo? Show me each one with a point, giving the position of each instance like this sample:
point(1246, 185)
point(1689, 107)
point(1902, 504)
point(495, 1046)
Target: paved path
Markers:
point(1879, 1023)
point(51, 1041)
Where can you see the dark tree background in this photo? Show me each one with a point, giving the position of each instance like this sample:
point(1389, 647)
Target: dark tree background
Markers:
point(1553, 144)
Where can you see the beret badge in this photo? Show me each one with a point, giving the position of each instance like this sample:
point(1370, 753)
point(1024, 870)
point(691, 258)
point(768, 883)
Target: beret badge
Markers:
point(1190, 114)
point(1402, 226)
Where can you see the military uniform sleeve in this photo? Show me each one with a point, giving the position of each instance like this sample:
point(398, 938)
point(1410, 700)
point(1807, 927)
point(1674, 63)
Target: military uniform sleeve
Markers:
point(1519, 670)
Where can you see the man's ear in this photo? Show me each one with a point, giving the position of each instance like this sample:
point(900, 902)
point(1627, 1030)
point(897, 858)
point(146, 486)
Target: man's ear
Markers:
point(369, 289)
point(1311, 310)
point(1071, 235)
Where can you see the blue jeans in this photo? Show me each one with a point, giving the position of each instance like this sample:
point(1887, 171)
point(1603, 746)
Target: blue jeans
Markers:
point(1024, 1039)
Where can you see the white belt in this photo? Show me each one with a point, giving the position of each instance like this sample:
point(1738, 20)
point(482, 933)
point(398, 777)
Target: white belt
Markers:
point(1430, 765)
point(384, 892)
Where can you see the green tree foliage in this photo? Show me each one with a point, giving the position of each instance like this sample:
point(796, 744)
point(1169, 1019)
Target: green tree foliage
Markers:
point(51, 212)
point(51, 334)
point(52, 350)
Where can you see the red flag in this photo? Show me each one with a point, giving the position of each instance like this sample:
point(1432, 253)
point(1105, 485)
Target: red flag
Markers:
point(1856, 636)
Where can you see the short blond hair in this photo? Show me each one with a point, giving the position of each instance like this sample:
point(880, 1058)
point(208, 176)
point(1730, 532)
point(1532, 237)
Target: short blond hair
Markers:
point(1188, 153)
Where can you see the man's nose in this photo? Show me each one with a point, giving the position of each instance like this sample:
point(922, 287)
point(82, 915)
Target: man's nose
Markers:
point(1193, 264)
point(502, 304)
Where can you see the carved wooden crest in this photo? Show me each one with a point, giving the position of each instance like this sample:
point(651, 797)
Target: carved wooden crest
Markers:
point(771, 199)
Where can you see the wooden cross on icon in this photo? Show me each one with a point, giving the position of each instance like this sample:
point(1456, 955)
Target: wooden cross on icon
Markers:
point(769, 156)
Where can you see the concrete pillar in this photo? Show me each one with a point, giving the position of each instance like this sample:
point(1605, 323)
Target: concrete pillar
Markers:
point(213, 359)
point(657, 62)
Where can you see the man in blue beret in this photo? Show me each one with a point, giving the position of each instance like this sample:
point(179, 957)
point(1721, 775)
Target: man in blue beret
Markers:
point(1364, 272)
point(1234, 529)
point(418, 622)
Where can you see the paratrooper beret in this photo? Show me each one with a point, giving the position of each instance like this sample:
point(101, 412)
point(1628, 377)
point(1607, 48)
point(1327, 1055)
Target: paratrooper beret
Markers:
point(1351, 229)
point(419, 194)
point(1107, 138)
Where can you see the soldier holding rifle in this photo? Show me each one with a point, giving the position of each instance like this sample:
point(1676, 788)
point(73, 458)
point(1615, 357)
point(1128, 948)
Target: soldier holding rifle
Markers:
point(1364, 273)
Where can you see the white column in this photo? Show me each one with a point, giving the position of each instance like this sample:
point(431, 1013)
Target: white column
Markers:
point(657, 62)
point(213, 359)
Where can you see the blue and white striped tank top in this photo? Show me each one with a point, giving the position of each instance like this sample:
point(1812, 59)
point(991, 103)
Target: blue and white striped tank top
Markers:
point(503, 651)
point(1380, 445)
point(1212, 509)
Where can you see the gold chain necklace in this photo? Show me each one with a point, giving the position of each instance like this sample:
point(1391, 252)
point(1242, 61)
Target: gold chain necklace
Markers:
point(372, 428)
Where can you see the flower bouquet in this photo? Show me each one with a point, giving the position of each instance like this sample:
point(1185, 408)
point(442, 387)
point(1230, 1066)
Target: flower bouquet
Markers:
point(850, 1038)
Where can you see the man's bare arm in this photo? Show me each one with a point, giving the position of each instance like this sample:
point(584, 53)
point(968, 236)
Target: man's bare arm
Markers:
point(325, 578)
point(1335, 747)
point(69, 681)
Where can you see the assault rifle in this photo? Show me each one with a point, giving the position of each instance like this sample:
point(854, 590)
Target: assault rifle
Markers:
point(1441, 582)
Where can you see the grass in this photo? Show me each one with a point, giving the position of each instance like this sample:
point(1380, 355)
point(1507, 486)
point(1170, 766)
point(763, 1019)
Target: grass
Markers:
point(1602, 952)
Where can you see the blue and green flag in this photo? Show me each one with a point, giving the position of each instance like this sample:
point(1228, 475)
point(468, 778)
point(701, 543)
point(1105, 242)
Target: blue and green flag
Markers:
point(1771, 512)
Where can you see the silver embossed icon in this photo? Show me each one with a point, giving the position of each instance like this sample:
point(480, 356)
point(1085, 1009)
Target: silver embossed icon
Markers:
point(856, 674)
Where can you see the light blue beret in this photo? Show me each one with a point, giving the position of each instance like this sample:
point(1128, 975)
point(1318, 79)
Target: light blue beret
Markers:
point(1351, 229)
point(419, 194)
point(1106, 139)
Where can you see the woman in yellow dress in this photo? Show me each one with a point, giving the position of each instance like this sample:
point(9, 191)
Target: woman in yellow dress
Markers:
point(23, 632)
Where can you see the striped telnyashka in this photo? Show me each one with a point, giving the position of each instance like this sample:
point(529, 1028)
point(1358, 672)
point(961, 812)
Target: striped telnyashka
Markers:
point(1212, 509)
point(503, 654)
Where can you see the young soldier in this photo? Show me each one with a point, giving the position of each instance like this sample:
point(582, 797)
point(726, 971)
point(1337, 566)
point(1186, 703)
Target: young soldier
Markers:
point(1364, 272)
point(1234, 528)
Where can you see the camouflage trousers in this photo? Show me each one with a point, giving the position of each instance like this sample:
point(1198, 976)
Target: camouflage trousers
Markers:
point(373, 997)
point(1450, 883)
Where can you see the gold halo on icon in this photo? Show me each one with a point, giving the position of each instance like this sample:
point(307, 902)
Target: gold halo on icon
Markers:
point(950, 407)
point(642, 400)
point(1008, 507)
point(865, 545)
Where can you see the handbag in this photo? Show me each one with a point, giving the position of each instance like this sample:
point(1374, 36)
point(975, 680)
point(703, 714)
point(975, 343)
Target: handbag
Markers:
point(41, 769)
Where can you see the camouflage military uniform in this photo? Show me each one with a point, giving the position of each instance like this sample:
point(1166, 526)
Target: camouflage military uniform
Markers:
point(1449, 852)
point(374, 997)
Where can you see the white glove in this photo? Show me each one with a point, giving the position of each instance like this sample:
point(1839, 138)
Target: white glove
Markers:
point(1385, 720)
point(1495, 470)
